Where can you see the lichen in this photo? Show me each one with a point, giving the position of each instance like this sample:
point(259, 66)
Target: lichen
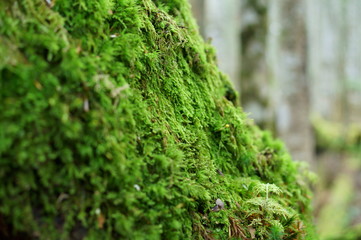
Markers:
point(115, 124)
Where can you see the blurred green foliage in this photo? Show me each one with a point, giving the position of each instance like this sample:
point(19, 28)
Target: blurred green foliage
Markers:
point(337, 136)
point(115, 125)
point(335, 220)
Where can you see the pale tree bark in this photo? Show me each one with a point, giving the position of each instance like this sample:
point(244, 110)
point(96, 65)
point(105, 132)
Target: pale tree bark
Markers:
point(335, 59)
point(286, 57)
point(326, 57)
point(353, 60)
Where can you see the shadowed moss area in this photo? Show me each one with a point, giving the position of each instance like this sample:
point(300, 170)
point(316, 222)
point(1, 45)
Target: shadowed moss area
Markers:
point(115, 124)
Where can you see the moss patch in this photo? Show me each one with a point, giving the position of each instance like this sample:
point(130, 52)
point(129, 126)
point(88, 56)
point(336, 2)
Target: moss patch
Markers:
point(115, 125)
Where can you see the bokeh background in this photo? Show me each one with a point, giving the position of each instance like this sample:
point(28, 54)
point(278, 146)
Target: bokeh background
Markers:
point(297, 67)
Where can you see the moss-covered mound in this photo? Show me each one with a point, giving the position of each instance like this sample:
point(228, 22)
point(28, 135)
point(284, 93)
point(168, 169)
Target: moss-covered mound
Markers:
point(115, 123)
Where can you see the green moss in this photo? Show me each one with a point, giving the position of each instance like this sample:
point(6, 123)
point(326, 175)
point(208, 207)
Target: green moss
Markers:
point(115, 125)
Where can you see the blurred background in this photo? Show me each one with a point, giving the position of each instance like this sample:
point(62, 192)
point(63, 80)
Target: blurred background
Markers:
point(297, 67)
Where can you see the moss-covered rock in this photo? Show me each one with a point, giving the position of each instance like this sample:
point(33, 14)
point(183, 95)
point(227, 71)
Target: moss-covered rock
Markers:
point(116, 124)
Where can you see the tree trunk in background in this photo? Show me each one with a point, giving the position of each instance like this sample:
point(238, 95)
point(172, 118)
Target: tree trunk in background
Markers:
point(335, 59)
point(326, 35)
point(255, 80)
point(353, 60)
point(286, 52)
point(274, 83)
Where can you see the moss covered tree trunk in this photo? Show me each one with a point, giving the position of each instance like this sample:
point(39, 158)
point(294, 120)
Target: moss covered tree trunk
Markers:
point(117, 124)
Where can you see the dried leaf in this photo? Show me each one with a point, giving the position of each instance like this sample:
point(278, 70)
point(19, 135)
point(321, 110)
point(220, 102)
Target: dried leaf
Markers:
point(101, 220)
point(38, 85)
point(252, 231)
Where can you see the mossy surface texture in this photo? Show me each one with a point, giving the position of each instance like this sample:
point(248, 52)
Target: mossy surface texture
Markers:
point(117, 124)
